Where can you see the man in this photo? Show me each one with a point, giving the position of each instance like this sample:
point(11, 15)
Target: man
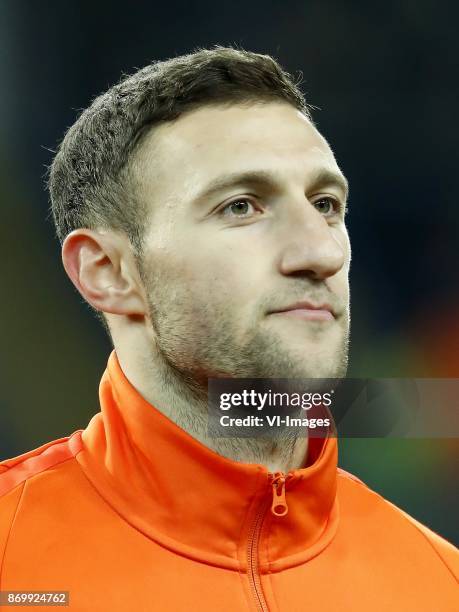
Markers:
point(203, 214)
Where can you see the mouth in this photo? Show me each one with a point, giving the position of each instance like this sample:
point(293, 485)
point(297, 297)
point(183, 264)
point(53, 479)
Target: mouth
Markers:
point(307, 311)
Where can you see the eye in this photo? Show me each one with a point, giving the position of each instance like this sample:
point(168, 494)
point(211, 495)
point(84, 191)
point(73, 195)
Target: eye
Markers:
point(239, 207)
point(328, 206)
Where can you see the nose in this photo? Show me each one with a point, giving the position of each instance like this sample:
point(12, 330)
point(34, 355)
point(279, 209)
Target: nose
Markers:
point(311, 246)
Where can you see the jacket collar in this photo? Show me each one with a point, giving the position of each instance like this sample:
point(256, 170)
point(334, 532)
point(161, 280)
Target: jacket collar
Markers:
point(193, 501)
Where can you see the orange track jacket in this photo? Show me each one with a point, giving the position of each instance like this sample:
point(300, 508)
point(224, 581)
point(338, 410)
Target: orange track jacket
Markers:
point(134, 514)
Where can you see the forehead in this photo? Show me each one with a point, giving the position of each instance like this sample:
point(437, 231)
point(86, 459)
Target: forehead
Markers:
point(203, 144)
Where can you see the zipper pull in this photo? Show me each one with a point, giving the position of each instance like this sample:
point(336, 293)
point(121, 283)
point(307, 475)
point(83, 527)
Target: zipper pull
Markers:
point(279, 506)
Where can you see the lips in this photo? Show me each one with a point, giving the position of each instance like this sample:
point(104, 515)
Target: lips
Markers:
point(304, 305)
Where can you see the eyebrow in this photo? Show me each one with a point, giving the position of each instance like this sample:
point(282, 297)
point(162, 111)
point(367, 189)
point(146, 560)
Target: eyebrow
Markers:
point(261, 178)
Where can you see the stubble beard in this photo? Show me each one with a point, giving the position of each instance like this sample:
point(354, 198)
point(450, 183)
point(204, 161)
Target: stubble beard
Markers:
point(201, 341)
point(196, 341)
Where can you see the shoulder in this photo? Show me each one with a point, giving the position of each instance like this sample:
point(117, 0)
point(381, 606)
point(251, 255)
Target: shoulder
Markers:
point(18, 470)
point(17, 473)
point(372, 511)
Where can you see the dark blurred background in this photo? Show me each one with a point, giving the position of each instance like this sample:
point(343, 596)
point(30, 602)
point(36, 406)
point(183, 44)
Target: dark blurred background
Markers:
point(385, 77)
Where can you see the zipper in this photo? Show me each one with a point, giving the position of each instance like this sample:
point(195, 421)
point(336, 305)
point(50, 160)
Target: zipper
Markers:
point(279, 505)
point(277, 481)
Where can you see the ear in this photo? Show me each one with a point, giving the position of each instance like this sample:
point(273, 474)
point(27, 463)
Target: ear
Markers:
point(102, 268)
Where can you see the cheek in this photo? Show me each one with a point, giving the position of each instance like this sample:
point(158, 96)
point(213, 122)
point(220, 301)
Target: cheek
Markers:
point(228, 278)
point(340, 281)
point(211, 267)
point(342, 238)
point(346, 245)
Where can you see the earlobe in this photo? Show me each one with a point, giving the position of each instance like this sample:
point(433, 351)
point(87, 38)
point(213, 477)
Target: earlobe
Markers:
point(95, 263)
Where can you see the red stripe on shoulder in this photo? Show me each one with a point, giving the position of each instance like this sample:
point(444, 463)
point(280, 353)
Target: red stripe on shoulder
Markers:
point(351, 476)
point(38, 460)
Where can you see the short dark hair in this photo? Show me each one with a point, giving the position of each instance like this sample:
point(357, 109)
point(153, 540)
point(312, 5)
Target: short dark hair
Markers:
point(90, 180)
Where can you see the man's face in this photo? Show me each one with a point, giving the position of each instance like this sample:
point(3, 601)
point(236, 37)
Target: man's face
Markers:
point(247, 218)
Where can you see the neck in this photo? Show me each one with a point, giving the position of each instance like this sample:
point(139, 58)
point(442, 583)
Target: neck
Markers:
point(184, 402)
